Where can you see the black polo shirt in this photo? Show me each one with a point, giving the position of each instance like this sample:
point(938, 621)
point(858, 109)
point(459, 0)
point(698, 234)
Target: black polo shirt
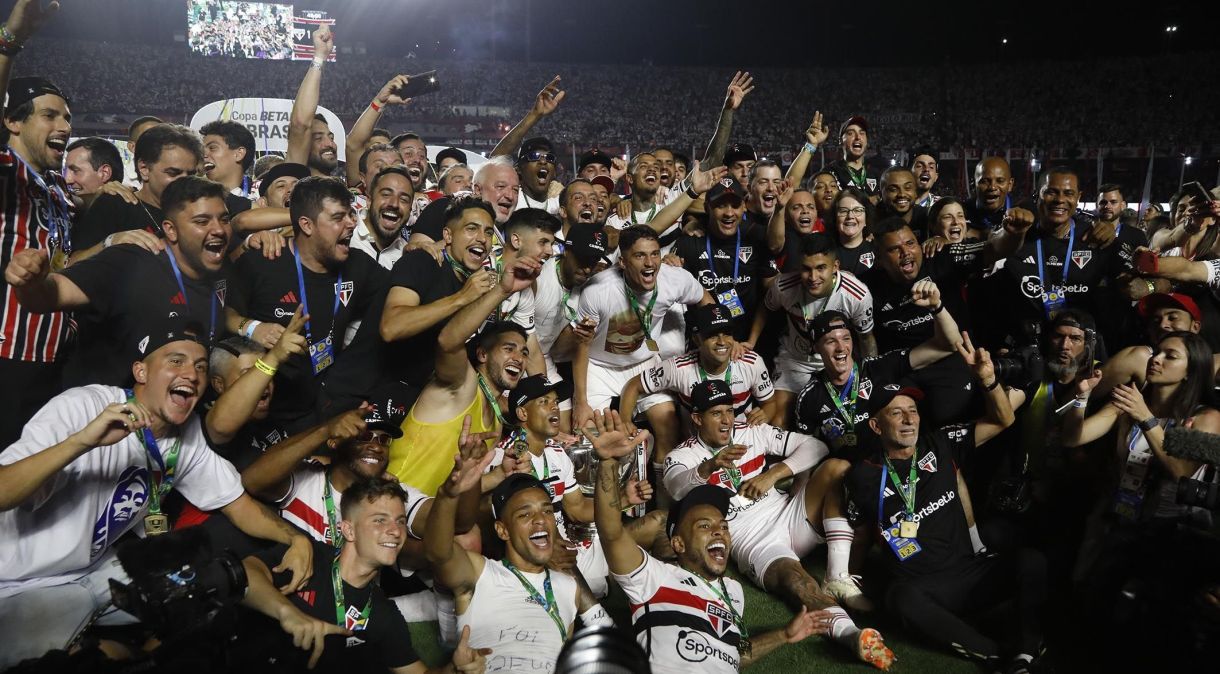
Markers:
point(871, 182)
point(751, 260)
point(817, 414)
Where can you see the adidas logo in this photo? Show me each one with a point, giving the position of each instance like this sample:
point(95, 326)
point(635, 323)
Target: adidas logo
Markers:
point(824, 410)
point(887, 307)
point(689, 581)
point(178, 299)
point(1029, 260)
point(290, 298)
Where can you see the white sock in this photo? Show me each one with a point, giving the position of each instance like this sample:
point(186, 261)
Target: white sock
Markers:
point(446, 619)
point(975, 541)
point(843, 629)
point(838, 545)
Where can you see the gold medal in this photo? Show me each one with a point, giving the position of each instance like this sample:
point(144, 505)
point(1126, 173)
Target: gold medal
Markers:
point(652, 345)
point(908, 529)
point(849, 440)
point(156, 524)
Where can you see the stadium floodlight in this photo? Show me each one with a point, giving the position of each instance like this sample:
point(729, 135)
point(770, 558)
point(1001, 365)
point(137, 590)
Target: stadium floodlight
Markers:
point(1188, 160)
point(1171, 29)
point(1004, 41)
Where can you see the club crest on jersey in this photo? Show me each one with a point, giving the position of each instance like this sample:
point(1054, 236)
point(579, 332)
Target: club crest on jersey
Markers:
point(745, 253)
point(866, 388)
point(872, 183)
point(720, 618)
point(867, 259)
point(222, 289)
point(928, 463)
point(1081, 257)
point(345, 290)
point(353, 620)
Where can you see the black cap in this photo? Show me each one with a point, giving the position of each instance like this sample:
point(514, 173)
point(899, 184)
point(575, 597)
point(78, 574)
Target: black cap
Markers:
point(885, 395)
point(711, 319)
point(594, 156)
point(530, 144)
point(169, 329)
point(374, 420)
point(827, 321)
point(727, 187)
point(432, 218)
point(709, 393)
point(451, 153)
point(22, 90)
point(739, 152)
point(285, 169)
point(854, 119)
point(704, 494)
point(510, 486)
point(587, 242)
point(534, 387)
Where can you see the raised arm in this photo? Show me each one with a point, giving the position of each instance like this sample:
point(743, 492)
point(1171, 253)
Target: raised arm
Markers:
point(235, 406)
point(777, 231)
point(547, 100)
point(455, 567)
point(25, 19)
point(998, 413)
point(363, 129)
point(267, 478)
point(305, 105)
point(945, 335)
point(404, 317)
point(815, 135)
point(1180, 269)
point(697, 182)
point(739, 87)
point(37, 289)
point(1009, 238)
point(612, 443)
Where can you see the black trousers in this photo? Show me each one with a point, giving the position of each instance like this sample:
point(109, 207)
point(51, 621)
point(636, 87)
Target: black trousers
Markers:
point(940, 605)
point(24, 388)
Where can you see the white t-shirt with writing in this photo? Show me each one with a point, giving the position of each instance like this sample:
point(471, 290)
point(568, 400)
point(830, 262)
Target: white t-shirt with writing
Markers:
point(620, 339)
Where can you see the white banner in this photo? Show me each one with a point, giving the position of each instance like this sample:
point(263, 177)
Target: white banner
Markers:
point(267, 119)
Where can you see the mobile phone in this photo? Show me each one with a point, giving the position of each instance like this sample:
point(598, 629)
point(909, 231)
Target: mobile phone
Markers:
point(1197, 192)
point(418, 85)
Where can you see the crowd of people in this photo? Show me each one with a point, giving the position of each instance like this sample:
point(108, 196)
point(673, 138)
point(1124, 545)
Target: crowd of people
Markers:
point(239, 29)
point(384, 380)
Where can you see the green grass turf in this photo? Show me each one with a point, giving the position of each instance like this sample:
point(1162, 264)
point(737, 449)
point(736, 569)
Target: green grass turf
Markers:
point(763, 613)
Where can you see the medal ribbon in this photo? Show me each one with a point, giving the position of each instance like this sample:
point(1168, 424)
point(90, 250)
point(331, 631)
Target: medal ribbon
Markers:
point(491, 399)
point(907, 491)
point(646, 315)
point(845, 404)
point(723, 595)
point(1066, 266)
point(163, 478)
point(341, 604)
point(548, 602)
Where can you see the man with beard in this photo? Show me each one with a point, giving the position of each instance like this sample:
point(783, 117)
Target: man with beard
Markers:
point(82, 476)
point(343, 616)
point(688, 612)
point(310, 138)
point(898, 196)
point(38, 216)
point(666, 166)
point(740, 159)
point(801, 296)
point(992, 201)
point(852, 170)
point(533, 447)
point(773, 531)
point(730, 260)
point(578, 203)
point(753, 393)
point(664, 219)
point(228, 154)
point(763, 192)
point(536, 167)
point(1061, 265)
point(1110, 205)
point(464, 385)
point(644, 178)
point(89, 164)
point(379, 234)
point(319, 273)
point(124, 287)
point(796, 217)
point(556, 298)
point(415, 157)
point(164, 153)
point(926, 175)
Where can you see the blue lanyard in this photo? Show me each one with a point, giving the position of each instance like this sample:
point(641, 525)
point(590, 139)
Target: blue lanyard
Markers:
point(296, 255)
point(60, 216)
point(154, 451)
point(885, 469)
point(847, 387)
point(173, 263)
point(1066, 258)
point(736, 256)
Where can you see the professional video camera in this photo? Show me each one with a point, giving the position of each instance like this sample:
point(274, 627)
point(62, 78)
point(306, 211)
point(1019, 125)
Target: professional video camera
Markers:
point(1185, 443)
point(1022, 366)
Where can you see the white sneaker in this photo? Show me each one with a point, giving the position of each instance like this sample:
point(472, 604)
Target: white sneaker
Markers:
point(846, 589)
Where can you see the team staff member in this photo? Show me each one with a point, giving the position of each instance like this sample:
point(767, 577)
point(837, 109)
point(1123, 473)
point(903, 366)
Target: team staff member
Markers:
point(90, 164)
point(773, 531)
point(343, 617)
point(320, 273)
point(688, 612)
point(731, 259)
point(819, 286)
point(852, 170)
point(908, 491)
point(91, 465)
point(834, 406)
point(127, 286)
point(747, 376)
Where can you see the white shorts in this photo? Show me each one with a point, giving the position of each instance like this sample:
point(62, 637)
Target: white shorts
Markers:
point(792, 375)
point(778, 528)
point(552, 374)
point(606, 382)
point(592, 564)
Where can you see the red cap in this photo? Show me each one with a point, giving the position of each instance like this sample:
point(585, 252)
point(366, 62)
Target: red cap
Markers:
point(1156, 301)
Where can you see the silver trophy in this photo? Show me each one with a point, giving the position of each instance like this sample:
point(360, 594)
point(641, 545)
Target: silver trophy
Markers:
point(585, 461)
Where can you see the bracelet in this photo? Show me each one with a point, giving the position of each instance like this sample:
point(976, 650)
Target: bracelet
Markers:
point(939, 308)
point(317, 63)
point(5, 35)
point(687, 186)
point(374, 106)
point(1148, 424)
point(992, 386)
point(264, 368)
point(108, 241)
point(1151, 287)
point(248, 330)
point(810, 147)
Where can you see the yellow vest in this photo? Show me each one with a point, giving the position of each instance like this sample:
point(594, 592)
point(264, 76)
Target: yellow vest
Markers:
point(423, 456)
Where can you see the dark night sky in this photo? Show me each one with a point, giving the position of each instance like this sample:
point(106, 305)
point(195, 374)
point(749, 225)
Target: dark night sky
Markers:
point(705, 32)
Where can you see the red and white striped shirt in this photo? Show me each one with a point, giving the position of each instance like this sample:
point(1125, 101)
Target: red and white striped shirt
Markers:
point(787, 294)
point(748, 378)
point(32, 216)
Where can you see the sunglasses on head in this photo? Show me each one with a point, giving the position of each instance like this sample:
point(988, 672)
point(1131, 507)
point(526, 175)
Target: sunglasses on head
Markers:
point(540, 155)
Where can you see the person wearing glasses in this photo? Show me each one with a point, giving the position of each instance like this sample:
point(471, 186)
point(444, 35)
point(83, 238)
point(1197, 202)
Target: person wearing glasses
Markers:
point(848, 222)
point(536, 166)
